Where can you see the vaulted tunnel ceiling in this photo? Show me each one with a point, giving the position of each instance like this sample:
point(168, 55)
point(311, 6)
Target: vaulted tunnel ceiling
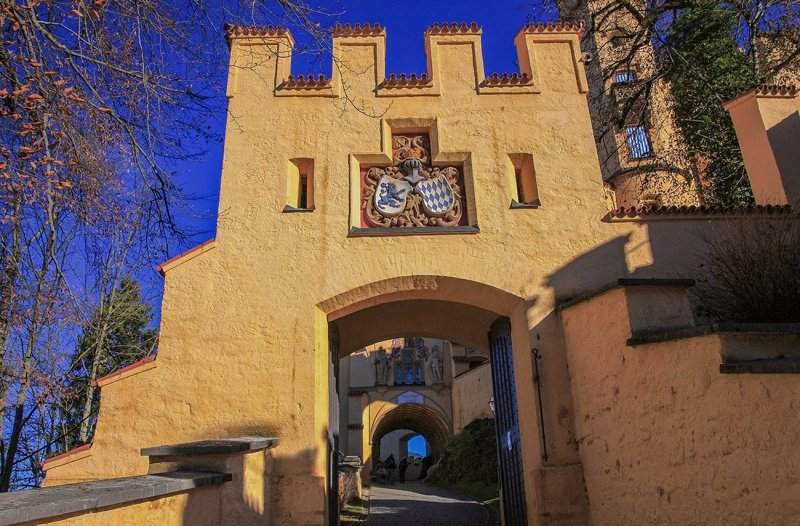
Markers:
point(451, 321)
point(417, 418)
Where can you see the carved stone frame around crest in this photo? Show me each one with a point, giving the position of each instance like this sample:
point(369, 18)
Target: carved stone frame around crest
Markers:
point(438, 159)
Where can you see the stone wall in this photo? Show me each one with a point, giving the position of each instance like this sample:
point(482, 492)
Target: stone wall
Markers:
point(664, 438)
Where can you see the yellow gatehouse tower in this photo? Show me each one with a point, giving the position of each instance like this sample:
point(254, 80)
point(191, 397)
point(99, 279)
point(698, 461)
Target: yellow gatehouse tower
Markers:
point(468, 213)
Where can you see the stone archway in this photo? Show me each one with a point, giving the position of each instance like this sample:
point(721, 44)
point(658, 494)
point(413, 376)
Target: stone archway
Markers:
point(441, 307)
point(421, 419)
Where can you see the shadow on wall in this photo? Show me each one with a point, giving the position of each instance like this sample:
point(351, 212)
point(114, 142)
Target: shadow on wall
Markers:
point(783, 138)
point(251, 496)
point(656, 249)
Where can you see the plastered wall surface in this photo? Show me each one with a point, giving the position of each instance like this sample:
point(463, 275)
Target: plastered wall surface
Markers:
point(200, 507)
point(472, 391)
point(664, 438)
point(244, 329)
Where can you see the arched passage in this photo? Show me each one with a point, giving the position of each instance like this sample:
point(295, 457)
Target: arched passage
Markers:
point(466, 324)
point(440, 307)
point(418, 418)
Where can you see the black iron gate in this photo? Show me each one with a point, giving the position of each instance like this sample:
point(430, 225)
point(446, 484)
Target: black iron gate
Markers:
point(509, 454)
point(333, 427)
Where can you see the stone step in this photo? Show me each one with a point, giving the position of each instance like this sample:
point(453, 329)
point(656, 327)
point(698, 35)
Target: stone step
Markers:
point(221, 446)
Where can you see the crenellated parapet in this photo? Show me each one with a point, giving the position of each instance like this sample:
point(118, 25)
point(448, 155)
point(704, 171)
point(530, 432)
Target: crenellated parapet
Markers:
point(554, 27)
point(549, 58)
point(454, 28)
point(234, 32)
point(776, 90)
point(358, 30)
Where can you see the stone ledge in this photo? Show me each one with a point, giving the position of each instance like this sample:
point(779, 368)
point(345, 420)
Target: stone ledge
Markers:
point(47, 503)
point(657, 336)
point(776, 366)
point(516, 205)
point(414, 230)
point(211, 447)
point(625, 282)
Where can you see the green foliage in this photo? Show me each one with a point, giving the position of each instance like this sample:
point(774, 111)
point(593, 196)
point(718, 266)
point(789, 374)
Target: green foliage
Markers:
point(469, 456)
point(707, 69)
point(115, 337)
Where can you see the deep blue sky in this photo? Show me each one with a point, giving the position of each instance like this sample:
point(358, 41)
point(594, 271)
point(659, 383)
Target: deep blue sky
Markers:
point(405, 23)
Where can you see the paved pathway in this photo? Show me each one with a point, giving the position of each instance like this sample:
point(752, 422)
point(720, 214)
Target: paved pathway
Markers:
point(417, 504)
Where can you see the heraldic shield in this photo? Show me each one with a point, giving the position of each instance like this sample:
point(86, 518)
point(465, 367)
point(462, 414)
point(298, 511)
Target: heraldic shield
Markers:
point(438, 197)
point(391, 195)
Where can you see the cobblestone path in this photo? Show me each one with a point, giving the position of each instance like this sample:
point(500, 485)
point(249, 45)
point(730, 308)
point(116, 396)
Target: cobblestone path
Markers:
point(417, 504)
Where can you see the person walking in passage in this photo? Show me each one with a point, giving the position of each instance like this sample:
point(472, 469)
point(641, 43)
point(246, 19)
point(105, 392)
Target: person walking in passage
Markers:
point(402, 468)
point(391, 469)
point(426, 464)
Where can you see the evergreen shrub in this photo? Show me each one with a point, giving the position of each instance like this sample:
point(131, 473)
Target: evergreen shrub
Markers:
point(469, 456)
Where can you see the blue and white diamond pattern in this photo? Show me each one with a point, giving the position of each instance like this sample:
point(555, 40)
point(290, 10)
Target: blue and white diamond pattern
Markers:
point(437, 195)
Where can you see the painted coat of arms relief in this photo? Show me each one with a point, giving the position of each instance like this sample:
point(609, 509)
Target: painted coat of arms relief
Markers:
point(412, 192)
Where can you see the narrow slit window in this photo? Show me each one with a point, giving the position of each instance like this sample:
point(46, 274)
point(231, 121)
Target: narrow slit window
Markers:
point(300, 185)
point(638, 142)
point(303, 201)
point(525, 188)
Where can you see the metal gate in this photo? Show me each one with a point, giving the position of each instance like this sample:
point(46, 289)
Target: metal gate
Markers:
point(333, 427)
point(509, 454)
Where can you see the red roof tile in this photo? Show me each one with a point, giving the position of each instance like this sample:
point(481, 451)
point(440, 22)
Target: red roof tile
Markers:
point(454, 28)
point(507, 80)
point(358, 30)
point(657, 210)
point(66, 454)
point(302, 82)
point(403, 81)
point(160, 268)
point(232, 30)
point(555, 27)
point(776, 90)
point(135, 365)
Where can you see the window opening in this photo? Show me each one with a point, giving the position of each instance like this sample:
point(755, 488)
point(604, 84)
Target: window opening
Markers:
point(624, 77)
point(300, 185)
point(526, 191)
point(638, 142)
point(303, 201)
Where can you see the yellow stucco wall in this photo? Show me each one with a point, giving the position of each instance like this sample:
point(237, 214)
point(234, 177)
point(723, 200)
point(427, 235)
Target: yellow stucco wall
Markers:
point(767, 122)
point(198, 507)
point(664, 438)
point(244, 328)
point(472, 391)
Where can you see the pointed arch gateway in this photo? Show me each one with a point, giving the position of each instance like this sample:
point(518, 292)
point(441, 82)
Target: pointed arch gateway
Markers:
point(457, 310)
